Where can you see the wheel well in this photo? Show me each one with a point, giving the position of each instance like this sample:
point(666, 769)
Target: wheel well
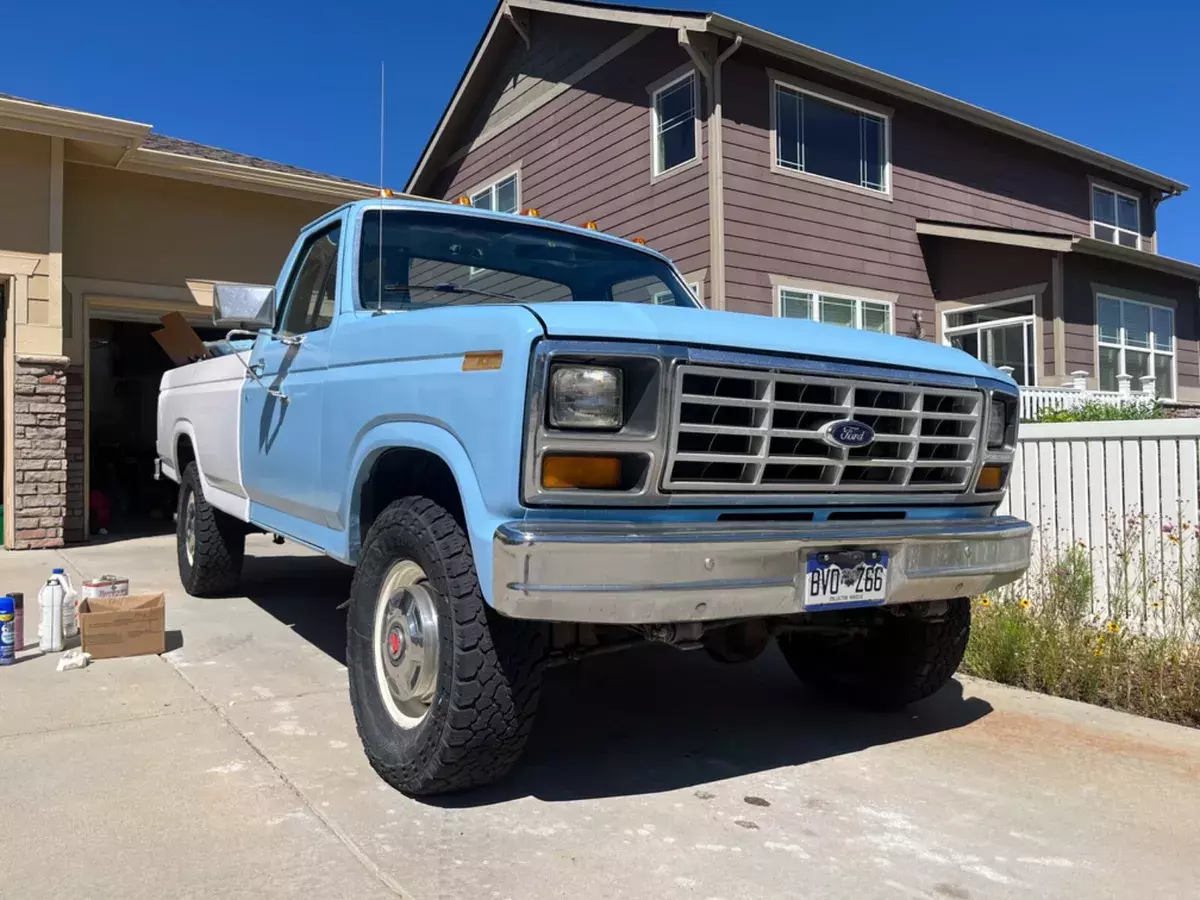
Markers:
point(184, 453)
point(404, 472)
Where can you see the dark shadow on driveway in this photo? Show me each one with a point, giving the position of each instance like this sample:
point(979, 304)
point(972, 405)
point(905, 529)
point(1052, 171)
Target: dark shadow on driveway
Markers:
point(644, 721)
point(658, 720)
point(304, 593)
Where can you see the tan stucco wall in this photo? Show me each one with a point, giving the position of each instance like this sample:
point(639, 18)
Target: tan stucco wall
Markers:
point(158, 243)
point(24, 192)
point(25, 237)
point(128, 227)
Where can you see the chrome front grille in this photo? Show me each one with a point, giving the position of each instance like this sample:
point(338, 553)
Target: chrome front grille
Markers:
point(760, 430)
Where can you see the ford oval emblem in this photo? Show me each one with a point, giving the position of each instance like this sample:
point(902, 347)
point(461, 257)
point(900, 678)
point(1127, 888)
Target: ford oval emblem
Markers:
point(848, 433)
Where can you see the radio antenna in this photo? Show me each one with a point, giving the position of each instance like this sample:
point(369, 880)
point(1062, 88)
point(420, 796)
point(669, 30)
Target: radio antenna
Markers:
point(382, 189)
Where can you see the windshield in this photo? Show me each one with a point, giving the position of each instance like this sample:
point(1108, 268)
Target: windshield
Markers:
point(441, 259)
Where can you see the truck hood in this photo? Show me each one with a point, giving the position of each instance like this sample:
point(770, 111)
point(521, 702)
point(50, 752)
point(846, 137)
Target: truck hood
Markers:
point(751, 333)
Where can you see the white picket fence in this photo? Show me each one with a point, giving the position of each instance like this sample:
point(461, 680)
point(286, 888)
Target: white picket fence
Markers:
point(1036, 401)
point(1127, 493)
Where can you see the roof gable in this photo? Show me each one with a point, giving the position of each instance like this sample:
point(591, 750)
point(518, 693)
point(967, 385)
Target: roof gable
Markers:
point(505, 26)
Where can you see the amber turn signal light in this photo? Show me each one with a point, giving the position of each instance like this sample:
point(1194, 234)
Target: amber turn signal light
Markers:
point(582, 472)
point(991, 478)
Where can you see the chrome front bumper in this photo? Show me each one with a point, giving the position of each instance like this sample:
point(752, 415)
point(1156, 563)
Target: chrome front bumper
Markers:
point(640, 573)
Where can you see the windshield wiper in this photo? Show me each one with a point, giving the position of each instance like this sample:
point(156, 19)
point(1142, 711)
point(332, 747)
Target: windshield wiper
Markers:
point(444, 287)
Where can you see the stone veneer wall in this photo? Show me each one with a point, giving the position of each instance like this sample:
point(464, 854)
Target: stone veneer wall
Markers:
point(40, 456)
point(73, 526)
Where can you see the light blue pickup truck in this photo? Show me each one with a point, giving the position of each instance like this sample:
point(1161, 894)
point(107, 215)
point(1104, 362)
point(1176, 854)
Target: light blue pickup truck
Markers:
point(533, 444)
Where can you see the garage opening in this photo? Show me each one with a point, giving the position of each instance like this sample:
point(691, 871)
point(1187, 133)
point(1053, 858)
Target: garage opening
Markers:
point(126, 365)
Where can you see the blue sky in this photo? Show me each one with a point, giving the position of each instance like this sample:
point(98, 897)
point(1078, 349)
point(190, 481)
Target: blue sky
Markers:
point(298, 81)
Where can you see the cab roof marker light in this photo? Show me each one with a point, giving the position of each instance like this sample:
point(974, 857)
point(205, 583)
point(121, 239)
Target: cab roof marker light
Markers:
point(464, 200)
point(532, 213)
point(640, 240)
point(591, 226)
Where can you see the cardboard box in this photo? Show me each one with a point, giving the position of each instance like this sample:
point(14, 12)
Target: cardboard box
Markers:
point(179, 340)
point(123, 626)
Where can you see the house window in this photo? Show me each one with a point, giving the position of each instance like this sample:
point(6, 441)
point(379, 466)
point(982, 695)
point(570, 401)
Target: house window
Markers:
point(832, 309)
point(666, 298)
point(1135, 339)
point(1000, 334)
point(820, 137)
point(503, 195)
point(673, 111)
point(1116, 217)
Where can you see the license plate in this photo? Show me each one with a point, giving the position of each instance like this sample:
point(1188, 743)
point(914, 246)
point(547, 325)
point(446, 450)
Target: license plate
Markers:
point(845, 578)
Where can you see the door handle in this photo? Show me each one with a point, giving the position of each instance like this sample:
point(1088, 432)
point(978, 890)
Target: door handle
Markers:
point(255, 370)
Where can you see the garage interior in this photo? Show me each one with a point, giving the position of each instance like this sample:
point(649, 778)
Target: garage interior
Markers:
point(125, 367)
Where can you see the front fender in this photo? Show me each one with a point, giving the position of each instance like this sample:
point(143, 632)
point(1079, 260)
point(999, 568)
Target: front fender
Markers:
point(481, 523)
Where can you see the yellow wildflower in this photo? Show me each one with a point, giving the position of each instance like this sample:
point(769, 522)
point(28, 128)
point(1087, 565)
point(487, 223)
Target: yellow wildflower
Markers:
point(984, 601)
point(1173, 538)
point(1025, 603)
point(1099, 651)
point(1114, 627)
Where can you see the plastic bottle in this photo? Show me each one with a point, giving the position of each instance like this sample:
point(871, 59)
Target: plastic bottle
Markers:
point(70, 612)
point(8, 613)
point(50, 599)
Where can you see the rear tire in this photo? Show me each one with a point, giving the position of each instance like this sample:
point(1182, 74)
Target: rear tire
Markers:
point(884, 661)
point(444, 688)
point(210, 544)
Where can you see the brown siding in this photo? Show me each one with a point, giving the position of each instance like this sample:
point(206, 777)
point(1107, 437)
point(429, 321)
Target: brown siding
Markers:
point(942, 170)
point(966, 270)
point(585, 155)
point(558, 47)
point(1081, 272)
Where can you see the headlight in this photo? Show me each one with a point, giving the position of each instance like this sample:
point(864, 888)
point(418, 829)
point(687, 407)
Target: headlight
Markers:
point(997, 424)
point(585, 397)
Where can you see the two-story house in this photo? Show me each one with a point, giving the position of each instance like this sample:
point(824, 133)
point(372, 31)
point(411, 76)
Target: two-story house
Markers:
point(789, 182)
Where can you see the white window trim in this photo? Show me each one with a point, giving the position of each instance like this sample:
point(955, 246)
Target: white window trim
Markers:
point(1121, 346)
point(1116, 192)
point(817, 293)
point(492, 183)
point(655, 90)
point(826, 95)
point(1031, 318)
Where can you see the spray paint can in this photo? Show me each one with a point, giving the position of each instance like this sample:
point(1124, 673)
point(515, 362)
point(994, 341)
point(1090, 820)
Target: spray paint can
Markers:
point(8, 612)
point(19, 621)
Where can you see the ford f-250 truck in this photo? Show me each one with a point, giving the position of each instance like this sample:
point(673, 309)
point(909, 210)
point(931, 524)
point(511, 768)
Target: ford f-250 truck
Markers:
point(532, 444)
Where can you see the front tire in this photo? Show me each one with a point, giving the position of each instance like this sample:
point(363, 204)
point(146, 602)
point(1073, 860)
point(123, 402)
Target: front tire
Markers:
point(210, 544)
point(881, 661)
point(444, 688)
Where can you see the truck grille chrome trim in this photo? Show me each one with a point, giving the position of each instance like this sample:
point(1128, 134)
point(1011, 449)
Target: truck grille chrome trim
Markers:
point(764, 430)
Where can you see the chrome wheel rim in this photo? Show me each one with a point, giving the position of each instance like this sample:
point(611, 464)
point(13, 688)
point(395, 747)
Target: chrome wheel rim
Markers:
point(405, 642)
point(189, 528)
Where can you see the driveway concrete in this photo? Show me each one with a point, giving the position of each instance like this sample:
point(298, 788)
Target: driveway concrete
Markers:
point(230, 767)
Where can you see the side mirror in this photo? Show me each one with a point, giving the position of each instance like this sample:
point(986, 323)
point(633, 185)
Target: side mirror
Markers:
point(243, 306)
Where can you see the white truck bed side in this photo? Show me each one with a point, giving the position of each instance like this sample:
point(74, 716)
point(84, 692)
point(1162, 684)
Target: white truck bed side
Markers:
point(203, 401)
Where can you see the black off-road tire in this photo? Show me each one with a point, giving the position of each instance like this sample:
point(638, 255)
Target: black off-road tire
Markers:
point(489, 668)
point(216, 565)
point(893, 661)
